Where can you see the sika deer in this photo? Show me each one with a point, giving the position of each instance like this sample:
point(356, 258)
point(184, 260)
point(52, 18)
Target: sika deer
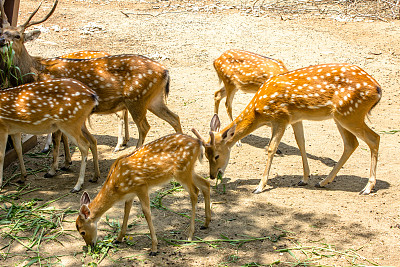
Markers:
point(342, 92)
point(131, 82)
point(123, 115)
point(172, 156)
point(61, 105)
point(242, 70)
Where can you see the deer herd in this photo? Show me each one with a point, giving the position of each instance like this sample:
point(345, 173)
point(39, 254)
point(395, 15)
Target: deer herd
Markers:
point(57, 96)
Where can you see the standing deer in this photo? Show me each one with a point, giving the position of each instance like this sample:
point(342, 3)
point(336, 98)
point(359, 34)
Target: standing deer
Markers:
point(131, 82)
point(342, 92)
point(59, 106)
point(172, 156)
point(123, 137)
point(242, 70)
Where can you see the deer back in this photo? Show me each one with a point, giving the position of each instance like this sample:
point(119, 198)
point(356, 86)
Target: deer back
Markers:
point(245, 70)
point(153, 164)
point(40, 107)
point(87, 54)
point(316, 93)
point(115, 79)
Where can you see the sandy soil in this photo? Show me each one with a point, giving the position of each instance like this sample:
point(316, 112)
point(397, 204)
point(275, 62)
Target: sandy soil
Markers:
point(187, 42)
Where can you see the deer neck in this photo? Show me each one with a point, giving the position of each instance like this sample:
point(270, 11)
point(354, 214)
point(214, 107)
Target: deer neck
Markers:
point(30, 66)
point(104, 200)
point(245, 123)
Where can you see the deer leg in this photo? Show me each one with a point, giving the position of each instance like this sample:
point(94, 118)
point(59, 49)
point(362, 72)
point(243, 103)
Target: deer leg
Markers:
point(159, 109)
point(218, 96)
point(93, 148)
point(139, 117)
point(123, 127)
point(230, 93)
point(299, 136)
point(56, 136)
point(3, 145)
point(127, 210)
point(193, 193)
point(372, 139)
point(350, 144)
point(204, 187)
point(67, 153)
point(16, 138)
point(75, 134)
point(277, 132)
point(143, 196)
point(47, 144)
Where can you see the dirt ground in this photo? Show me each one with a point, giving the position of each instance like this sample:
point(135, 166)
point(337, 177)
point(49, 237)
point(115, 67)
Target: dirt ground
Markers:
point(186, 37)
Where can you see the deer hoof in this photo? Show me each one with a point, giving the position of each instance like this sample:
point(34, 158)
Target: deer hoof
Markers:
point(21, 181)
point(257, 191)
point(45, 150)
point(93, 180)
point(65, 168)
point(317, 185)
point(73, 190)
point(365, 192)
point(153, 253)
point(116, 241)
point(301, 183)
point(203, 227)
point(48, 175)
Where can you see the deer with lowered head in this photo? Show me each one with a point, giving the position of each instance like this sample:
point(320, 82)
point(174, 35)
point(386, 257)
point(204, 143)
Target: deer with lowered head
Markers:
point(131, 82)
point(172, 156)
point(342, 92)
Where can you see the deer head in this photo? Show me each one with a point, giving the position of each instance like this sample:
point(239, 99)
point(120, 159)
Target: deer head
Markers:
point(17, 36)
point(216, 150)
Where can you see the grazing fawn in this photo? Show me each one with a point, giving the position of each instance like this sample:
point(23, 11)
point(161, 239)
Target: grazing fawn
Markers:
point(172, 156)
point(242, 70)
point(60, 106)
point(131, 82)
point(342, 92)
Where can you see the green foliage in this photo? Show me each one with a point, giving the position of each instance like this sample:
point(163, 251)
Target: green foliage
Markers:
point(156, 202)
point(9, 72)
point(100, 251)
point(390, 132)
point(311, 255)
point(30, 224)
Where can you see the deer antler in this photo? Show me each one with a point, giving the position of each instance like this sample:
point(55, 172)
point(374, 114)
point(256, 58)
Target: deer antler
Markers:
point(199, 136)
point(28, 23)
point(3, 15)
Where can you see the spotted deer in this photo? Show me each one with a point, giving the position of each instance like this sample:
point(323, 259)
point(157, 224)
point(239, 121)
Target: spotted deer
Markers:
point(342, 92)
point(131, 82)
point(123, 127)
point(172, 156)
point(245, 71)
point(59, 106)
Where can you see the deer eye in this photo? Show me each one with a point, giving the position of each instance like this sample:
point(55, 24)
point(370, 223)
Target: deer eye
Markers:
point(83, 233)
point(18, 37)
point(216, 157)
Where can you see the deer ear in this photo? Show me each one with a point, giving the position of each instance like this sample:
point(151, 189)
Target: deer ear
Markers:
point(215, 123)
point(85, 199)
point(84, 212)
point(32, 35)
point(228, 134)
